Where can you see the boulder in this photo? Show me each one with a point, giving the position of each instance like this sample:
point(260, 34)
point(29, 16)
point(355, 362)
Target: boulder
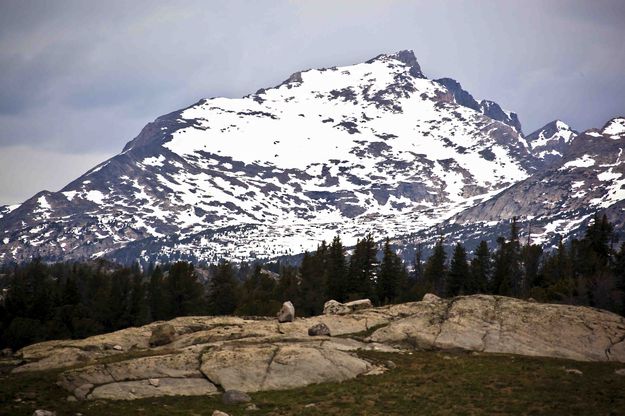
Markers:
point(287, 312)
point(219, 413)
point(235, 397)
point(319, 329)
point(129, 390)
point(430, 297)
point(252, 368)
point(57, 358)
point(184, 364)
point(505, 325)
point(162, 334)
point(332, 307)
point(254, 354)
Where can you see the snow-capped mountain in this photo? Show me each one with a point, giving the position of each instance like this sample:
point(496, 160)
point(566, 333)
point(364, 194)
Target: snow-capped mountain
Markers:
point(557, 202)
point(550, 142)
point(372, 147)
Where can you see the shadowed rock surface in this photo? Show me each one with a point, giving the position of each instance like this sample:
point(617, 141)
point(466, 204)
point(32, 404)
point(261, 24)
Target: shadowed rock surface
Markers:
point(216, 354)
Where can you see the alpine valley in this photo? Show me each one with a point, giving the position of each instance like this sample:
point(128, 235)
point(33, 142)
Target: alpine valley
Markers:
point(373, 147)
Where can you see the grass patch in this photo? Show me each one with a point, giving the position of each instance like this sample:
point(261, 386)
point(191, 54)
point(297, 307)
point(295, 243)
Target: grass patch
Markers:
point(428, 383)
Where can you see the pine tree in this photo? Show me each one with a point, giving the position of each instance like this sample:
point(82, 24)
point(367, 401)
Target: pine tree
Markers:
point(118, 311)
point(435, 271)
point(288, 286)
point(418, 264)
point(139, 309)
point(619, 273)
point(336, 271)
point(458, 277)
point(595, 258)
point(184, 293)
point(481, 269)
point(362, 268)
point(257, 296)
point(222, 295)
point(157, 297)
point(513, 248)
point(312, 289)
point(531, 256)
point(557, 275)
point(391, 275)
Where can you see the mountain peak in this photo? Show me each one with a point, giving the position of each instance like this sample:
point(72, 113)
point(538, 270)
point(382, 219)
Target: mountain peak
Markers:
point(550, 142)
point(405, 56)
point(614, 127)
point(556, 124)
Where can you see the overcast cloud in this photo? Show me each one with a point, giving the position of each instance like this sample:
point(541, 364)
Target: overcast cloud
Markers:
point(78, 79)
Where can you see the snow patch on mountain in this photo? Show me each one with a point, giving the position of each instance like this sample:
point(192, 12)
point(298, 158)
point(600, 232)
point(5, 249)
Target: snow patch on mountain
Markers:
point(583, 162)
point(615, 127)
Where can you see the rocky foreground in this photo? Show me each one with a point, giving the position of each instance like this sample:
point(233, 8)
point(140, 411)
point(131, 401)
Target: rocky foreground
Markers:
point(210, 355)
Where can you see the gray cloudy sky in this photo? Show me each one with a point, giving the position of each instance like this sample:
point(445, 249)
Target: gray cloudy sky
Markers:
point(78, 79)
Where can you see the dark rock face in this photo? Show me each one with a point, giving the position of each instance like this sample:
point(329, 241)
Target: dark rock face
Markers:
point(489, 108)
point(493, 110)
point(462, 97)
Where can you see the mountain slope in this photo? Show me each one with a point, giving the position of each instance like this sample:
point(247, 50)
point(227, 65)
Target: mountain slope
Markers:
point(556, 202)
point(373, 147)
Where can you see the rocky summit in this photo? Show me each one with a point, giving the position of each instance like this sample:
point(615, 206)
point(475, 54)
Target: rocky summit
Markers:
point(371, 147)
point(211, 355)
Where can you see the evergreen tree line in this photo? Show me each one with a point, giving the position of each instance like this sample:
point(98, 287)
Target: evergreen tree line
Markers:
point(75, 300)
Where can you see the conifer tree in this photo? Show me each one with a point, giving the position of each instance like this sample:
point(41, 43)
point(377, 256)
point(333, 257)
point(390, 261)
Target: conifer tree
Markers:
point(418, 264)
point(481, 269)
point(619, 273)
point(391, 275)
point(336, 271)
point(222, 294)
point(185, 294)
point(257, 296)
point(435, 271)
point(156, 295)
point(312, 290)
point(139, 309)
point(531, 256)
point(288, 286)
point(362, 268)
point(458, 276)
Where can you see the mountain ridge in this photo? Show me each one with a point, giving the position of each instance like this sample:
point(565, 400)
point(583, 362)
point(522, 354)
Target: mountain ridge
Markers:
point(370, 147)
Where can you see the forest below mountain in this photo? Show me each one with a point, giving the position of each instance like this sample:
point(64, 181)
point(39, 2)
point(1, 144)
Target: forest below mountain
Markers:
point(78, 299)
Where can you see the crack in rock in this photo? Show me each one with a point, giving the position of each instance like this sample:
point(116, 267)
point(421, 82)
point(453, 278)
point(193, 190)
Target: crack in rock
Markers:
point(273, 356)
point(608, 350)
point(443, 319)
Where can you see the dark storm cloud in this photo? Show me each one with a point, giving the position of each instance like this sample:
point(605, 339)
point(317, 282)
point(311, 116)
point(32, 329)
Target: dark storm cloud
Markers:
point(83, 77)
